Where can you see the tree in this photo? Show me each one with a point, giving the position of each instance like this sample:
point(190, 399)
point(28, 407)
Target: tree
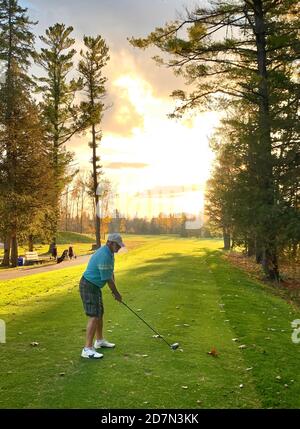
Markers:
point(94, 58)
point(60, 113)
point(26, 180)
point(233, 188)
point(23, 154)
point(238, 51)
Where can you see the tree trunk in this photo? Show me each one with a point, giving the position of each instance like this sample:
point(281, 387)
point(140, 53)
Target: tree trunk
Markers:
point(264, 157)
point(55, 227)
point(227, 239)
point(96, 196)
point(14, 250)
point(250, 247)
point(270, 265)
point(5, 262)
point(30, 243)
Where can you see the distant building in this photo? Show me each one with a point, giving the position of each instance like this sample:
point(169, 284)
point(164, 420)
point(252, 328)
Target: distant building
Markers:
point(193, 227)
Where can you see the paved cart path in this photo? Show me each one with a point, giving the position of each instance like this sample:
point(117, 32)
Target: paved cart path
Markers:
point(22, 271)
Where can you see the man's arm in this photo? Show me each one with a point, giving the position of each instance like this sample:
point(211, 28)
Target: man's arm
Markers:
point(112, 285)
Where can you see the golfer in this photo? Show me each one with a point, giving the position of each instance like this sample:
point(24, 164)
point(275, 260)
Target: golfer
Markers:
point(100, 270)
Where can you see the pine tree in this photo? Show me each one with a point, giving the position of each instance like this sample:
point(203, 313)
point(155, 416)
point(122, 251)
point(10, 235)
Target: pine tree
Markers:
point(60, 113)
point(94, 58)
point(26, 185)
point(16, 50)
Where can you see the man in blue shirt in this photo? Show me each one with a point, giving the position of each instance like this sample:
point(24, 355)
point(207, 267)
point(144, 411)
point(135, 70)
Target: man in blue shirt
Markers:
point(100, 270)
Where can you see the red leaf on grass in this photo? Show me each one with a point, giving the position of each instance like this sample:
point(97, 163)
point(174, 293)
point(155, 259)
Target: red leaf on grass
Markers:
point(213, 352)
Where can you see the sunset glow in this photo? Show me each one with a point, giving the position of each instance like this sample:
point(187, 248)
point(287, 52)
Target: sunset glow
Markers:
point(159, 165)
point(141, 149)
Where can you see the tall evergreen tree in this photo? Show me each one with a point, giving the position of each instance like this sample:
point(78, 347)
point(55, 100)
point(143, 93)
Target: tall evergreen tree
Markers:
point(60, 112)
point(25, 178)
point(16, 50)
point(94, 58)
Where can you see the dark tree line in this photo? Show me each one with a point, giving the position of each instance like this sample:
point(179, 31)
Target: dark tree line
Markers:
point(242, 58)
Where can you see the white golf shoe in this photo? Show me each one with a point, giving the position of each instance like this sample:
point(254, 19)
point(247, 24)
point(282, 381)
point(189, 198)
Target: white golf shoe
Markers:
point(103, 343)
point(90, 354)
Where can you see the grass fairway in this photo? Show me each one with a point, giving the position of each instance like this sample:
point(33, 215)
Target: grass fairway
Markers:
point(189, 294)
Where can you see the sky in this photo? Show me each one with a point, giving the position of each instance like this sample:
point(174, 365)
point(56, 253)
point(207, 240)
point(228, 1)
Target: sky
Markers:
point(154, 163)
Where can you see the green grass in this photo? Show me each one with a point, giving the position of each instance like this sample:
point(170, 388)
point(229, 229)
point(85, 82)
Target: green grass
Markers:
point(66, 237)
point(189, 294)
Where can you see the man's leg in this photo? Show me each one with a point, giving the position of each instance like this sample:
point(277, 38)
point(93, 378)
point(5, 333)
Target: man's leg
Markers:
point(99, 328)
point(90, 331)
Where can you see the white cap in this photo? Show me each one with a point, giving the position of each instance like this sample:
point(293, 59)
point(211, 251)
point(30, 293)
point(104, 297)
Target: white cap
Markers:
point(116, 238)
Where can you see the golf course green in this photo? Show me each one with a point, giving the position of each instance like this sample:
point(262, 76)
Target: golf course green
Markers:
point(235, 340)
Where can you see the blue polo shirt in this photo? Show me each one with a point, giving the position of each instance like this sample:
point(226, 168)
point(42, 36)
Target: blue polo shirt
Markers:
point(100, 267)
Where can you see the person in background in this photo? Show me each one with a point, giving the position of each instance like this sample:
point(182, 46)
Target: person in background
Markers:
point(54, 251)
point(71, 252)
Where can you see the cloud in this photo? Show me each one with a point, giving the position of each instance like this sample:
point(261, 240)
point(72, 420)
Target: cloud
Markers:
point(118, 165)
point(122, 117)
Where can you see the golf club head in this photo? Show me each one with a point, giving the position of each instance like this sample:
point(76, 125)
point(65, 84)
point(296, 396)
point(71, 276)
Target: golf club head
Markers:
point(174, 346)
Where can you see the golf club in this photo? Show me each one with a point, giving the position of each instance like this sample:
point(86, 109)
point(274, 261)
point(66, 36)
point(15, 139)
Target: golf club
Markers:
point(173, 346)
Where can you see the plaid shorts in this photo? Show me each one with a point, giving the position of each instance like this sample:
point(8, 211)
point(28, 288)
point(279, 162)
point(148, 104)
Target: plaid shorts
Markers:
point(91, 297)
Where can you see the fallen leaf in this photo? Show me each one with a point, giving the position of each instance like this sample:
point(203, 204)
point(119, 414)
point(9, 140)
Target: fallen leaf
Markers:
point(184, 387)
point(213, 352)
point(249, 369)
